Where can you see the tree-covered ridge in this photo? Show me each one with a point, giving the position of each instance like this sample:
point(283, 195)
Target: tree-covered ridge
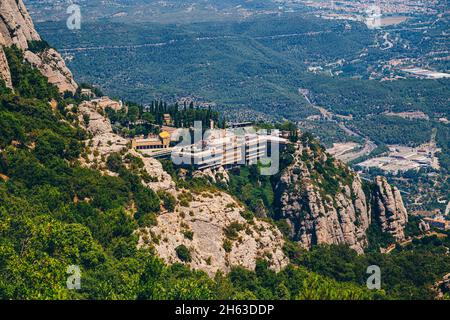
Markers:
point(54, 213)
point(409, 272)
point(240, 59)
point(365, 97)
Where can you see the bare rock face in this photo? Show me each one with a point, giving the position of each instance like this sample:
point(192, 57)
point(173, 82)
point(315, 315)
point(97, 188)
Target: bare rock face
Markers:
point(53, 67)
point(16, 28)
point(212, 248)
point(216, 175)
point(5, 74)
point(325, 203)
point(389, 209)
point(163, 180)
point(207, 215)
point(104, 141)
point(316, 217)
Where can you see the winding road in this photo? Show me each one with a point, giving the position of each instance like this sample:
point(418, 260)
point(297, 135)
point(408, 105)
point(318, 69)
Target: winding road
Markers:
point(369, 145)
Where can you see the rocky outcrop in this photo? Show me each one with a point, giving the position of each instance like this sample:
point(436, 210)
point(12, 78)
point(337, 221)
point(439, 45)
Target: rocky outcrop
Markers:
point(53, 67)
point(207, 215)
point(16, 28)
point(5, 74)
point(104, 142)
point(325, 203)
point(389, 209)
point(218, 175)
point(317, 217)
point(210, 219)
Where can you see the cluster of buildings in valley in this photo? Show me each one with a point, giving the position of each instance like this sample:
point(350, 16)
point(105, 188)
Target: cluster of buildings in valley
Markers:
point(435, 218)
point(403, 158)
point(426, 74)
point(340, 150)
point(351, 9)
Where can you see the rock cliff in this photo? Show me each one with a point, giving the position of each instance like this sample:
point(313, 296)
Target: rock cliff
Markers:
point(317, 211)
point(325, 203)
point(16, 28)
point(389, 209)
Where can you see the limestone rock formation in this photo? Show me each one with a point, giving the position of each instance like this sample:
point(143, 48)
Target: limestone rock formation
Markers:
point(389, 209)
point(16, 28)
point(317, 217)
point(53, 67)
point(325, 203)
point(218, 175)
point(207, 218)
point(103, 140)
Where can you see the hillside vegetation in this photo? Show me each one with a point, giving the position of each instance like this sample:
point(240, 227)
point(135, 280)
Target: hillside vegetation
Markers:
point(55, 213)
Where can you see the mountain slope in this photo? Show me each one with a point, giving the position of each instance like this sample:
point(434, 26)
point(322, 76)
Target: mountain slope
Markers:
point(57, 211)
point(72, 193)
point(197, 219)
